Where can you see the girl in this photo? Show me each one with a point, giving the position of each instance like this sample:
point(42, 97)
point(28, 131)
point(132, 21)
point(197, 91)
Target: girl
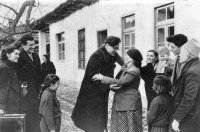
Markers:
point(157, 115)
point(127, 105)
point(49, 105)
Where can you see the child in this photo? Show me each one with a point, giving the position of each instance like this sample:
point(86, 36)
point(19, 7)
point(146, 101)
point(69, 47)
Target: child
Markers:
point(165, 65)
point(49, 105)
point(157, 115)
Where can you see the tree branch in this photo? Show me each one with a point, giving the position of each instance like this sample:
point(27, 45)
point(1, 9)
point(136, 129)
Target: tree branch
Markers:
point(9, 8)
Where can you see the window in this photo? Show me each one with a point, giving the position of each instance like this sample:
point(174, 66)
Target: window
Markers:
point(164, 24)
point(81, 49)
point(61, 46)
point(128, 30)
point(101, 36)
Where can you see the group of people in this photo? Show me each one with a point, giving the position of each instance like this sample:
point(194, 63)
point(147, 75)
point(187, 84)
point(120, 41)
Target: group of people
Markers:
point(22, 80)
point(172, 88)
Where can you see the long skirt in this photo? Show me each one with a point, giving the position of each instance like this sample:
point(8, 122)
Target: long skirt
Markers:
point(159, 129)
point(126, 121)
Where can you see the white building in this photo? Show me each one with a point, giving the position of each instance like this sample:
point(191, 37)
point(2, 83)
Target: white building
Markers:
point(76, 33)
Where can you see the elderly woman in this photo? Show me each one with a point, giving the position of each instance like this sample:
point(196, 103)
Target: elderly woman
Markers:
point(127, 105)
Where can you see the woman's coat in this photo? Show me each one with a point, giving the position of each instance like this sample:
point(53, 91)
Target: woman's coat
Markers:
point(9, 88)
point(90, 111)
point(127, 96)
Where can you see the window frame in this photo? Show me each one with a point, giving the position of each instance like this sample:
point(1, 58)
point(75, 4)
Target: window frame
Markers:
point(82, 50)
point(61, 53)
point(127, 31)
point(163, 24)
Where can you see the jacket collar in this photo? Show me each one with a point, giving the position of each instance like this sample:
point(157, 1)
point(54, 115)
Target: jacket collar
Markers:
point(26, 56)
point(105, 53)
point(10, 64)
point(187, 65)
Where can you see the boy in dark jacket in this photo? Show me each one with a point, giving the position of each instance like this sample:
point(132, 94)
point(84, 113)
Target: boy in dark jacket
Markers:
point(157, 115)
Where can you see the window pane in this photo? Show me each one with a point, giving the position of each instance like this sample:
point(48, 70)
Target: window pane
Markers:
point(161, 15)
point(59, 47)
point(170, 30)
point(170, 12)
point(125, 50)
point(132, 39)
point(127, 39)
point(63, 55)
point(161, 35)
point(129, 22)
point(63, 47)
point(59, 37)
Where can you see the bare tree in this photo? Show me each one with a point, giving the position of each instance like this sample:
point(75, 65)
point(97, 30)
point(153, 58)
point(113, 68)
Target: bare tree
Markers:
point(8, 31)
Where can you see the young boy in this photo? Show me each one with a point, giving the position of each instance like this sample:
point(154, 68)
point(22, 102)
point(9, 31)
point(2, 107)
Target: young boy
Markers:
point(157, 115)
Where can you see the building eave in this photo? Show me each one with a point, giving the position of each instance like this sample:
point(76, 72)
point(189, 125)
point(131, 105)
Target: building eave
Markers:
point(62, 11)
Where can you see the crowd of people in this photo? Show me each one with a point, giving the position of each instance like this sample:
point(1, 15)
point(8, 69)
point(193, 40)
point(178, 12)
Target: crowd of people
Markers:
point(171, 86)
point(21, 76)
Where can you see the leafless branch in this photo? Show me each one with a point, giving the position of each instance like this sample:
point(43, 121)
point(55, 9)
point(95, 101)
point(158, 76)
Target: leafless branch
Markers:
point(9, 8)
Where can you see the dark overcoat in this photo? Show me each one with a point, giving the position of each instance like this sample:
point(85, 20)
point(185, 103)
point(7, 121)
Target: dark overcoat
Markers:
point(185, 106)
point(47, 68)
point(9, 88)
point(90, 111)
point(30, 71)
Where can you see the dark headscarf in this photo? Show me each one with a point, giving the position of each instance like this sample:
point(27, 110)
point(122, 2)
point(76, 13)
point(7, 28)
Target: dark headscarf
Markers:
point(135, 55)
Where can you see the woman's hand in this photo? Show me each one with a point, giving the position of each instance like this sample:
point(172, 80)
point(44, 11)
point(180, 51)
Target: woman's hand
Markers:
point(175, 125)
point(2, 112)
point(97, 77)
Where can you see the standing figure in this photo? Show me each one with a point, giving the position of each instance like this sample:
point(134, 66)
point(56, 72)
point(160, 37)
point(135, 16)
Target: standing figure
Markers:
point(127, 105)
point(157, 115)
point(30, 71)
point(10, 91)
point(185, 105)
point(47, 67)
point(176, 42)
point(148, 74)
point(91, 109)
point(49, 105)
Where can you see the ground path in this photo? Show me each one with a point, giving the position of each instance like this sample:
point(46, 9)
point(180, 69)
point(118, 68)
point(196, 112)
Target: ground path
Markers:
point(67, 97)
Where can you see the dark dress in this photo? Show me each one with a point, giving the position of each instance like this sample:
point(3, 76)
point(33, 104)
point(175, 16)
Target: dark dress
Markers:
point(148, 74)
point(30, 71)
point(158, 115)
point(47, 68)
point(50, 111)
point(91, 109)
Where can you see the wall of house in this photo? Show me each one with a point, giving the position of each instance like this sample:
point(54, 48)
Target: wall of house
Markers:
point(108, 15)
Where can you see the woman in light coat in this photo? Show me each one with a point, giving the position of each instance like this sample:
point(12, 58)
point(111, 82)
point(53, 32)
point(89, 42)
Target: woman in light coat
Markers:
point(127, 106)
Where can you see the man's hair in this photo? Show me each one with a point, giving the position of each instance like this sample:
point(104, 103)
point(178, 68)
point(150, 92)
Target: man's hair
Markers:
point(178, 39)
point(25, 38)
point(164, 51)
point(112, 41)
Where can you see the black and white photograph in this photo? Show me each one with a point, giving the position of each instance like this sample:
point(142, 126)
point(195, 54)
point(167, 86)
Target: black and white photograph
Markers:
point(99, 66)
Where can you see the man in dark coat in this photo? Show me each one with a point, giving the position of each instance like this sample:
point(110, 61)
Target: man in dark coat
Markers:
point(175, 42)
point(90, 112)
point(30, 72)
point(47, 67)
point(185, 105)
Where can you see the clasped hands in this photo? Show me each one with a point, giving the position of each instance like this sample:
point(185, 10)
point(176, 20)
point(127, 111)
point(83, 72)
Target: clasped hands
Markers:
point(97, 77)
point(175, 125)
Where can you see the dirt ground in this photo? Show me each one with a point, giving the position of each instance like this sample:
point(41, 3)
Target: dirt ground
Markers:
point(67, 97)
